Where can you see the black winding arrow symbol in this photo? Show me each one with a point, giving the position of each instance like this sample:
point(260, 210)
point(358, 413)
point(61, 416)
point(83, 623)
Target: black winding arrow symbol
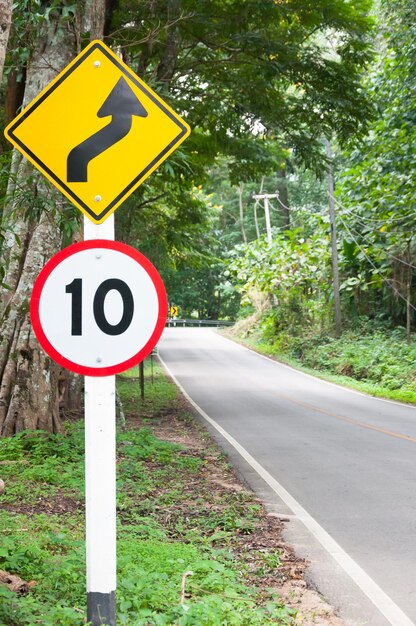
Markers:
point(122, 103)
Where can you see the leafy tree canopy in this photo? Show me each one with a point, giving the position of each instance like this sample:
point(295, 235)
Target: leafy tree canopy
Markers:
point(377, 190)
point(237, 68)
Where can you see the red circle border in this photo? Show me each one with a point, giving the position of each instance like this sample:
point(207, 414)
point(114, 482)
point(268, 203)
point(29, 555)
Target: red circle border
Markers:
point(70, 251)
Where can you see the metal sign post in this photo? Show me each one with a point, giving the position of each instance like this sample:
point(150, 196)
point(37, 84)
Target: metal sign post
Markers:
point(100, 499)
point(97, 131)
point(100, 479)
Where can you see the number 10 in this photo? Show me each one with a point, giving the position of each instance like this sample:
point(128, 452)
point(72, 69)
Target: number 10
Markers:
point(75, 289)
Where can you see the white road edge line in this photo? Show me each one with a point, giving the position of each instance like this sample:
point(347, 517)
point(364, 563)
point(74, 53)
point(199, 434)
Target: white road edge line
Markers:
point(322, 380)
point(378, 597)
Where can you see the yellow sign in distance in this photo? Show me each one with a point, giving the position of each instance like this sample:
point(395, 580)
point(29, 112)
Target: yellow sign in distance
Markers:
point(174, 311)
point(97, 131)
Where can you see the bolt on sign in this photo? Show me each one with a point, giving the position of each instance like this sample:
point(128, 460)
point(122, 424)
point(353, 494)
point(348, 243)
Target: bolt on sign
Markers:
point(97, 131)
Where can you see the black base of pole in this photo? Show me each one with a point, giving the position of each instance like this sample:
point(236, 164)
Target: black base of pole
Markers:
point(101, 608)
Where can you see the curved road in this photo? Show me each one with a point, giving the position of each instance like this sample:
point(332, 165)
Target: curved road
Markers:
point(340, 464)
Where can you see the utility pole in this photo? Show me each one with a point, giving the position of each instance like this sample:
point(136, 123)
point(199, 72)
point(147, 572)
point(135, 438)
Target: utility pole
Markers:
point(266, 197)
point(334, 249)
point(409, 292)
point(240, 203)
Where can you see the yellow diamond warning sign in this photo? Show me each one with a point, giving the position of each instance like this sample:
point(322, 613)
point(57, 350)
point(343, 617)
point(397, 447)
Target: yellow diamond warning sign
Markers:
point(97, 131)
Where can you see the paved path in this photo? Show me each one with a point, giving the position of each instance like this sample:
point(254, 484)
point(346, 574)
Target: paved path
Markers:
point(342, 462)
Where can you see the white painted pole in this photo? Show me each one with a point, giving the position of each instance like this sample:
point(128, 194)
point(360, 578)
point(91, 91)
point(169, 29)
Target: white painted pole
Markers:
point(267, 214)
point(265, 197)
point(100, 475)
point(99, 231)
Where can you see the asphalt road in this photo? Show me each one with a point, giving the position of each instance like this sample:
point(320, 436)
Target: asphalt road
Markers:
point(346, 460)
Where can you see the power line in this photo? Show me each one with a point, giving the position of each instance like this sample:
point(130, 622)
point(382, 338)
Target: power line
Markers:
point(386, 281)
point(392, 256)
point(282, 204)
point(402, 261)
point(387, 254)
point(369, 219)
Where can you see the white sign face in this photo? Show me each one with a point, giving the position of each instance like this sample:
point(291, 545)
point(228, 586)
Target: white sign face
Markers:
point(98, 307)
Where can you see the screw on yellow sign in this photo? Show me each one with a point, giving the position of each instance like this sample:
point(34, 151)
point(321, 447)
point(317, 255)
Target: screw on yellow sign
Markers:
point(97, 131)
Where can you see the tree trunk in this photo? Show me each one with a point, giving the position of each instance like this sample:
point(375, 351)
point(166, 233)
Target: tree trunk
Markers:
point(29, 395)
point(29, 380)
point(166, 67)
point(70, 391)
point(6, 7)
point(94, 18)
point(14, 95)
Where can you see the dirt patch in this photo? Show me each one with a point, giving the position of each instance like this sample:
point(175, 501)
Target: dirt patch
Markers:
point(56, 504)
point(312, 609)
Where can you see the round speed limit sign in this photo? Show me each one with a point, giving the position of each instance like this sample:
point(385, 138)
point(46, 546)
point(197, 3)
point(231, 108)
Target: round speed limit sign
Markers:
point(98, 307)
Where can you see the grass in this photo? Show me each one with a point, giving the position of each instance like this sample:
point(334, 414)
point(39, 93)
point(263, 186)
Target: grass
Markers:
point(159, 392)
point(377, 361)
point(170, 521)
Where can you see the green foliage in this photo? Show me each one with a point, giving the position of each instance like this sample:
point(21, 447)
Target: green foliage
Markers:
point(251, 88)
point(37, 464)
point(149, 594)
point(292, 269)
point(284, 65)
point(376, 210)
point(375, 213)
point(200, 281)
point(49, 550)
point(143, 445)
point(196, 282)
point(380, 357)
point(377, 189)
point(28, 17)
point(276, 77)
